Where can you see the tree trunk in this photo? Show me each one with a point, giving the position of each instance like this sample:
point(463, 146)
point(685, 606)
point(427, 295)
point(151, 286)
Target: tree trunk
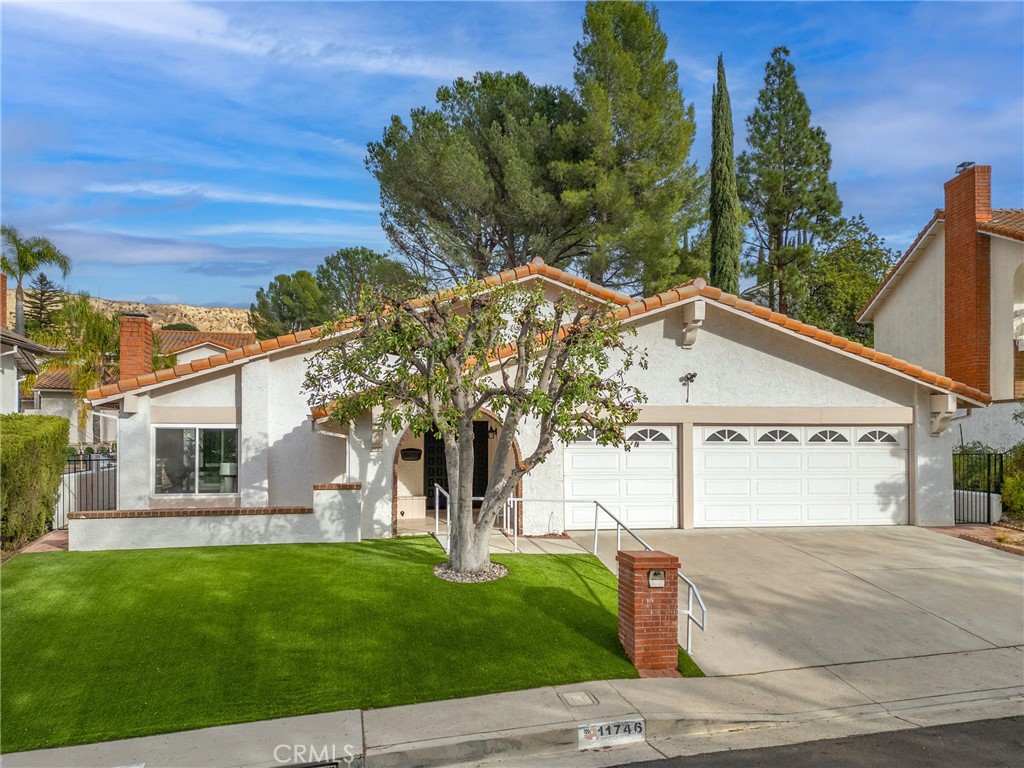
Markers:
point(19, 310)
point(469, 549)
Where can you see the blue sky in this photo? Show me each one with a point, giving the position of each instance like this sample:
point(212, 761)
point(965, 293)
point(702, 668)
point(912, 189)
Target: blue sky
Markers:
point(184, 152)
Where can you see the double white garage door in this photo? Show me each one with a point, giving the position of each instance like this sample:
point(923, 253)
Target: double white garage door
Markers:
point(744, 476)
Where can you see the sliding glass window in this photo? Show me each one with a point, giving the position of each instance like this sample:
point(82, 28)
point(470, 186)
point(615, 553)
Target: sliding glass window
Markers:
point(191, 460)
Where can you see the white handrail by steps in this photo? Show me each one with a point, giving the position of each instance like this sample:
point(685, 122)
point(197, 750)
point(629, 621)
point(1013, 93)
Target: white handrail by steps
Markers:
point(506, 514)
point(693, 592)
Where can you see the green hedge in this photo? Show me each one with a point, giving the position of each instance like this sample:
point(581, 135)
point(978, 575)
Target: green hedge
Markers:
point(32, 456)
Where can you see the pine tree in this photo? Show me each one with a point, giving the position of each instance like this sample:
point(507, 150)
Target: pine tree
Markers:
point(724, 205)
point(43, 299)
point(639, 188)
point(784, 187)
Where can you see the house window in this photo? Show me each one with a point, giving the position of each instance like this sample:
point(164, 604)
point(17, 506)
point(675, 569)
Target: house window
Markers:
point(778, 436)
point(648, 436)
point(877, 436)
point(195, 460)
point(828, 436)
point(726, 436)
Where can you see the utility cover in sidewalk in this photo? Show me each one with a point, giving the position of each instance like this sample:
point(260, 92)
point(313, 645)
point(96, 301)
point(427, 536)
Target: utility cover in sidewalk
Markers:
point(579, 698)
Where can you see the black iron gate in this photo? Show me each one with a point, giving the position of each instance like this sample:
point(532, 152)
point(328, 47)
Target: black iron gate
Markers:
point(89, 483)
point(977, 480)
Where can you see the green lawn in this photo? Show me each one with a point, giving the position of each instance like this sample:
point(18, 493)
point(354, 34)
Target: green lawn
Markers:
point(107, 645)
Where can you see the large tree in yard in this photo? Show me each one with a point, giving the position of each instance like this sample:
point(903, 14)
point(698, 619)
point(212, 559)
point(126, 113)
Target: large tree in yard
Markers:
point(467, 189)
point(433, 365)
point(635, 181)
point(784, 186)
point(23, 257)
point(348, 272)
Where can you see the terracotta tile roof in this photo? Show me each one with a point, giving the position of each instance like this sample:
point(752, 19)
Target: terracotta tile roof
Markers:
point(1007, 222)
point(55, 378)
point(536, 267)
point(175, 341)
point(699, 287)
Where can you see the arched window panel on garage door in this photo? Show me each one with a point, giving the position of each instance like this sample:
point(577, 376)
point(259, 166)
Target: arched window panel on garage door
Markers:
point(587, 436)
point(724, 435)
point(648, 435)
point(878, 437)
point(825, 436)
point(771, 436)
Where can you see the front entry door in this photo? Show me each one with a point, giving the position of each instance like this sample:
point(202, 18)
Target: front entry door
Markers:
point(435, 469)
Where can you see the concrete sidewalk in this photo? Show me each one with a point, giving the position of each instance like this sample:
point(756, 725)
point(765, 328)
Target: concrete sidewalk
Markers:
point(680, 716)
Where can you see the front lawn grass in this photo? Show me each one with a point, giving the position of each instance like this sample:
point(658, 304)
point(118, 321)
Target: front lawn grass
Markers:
point(109, 645)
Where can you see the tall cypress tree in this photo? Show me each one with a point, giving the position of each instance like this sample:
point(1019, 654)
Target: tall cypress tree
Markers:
point(726, 240)
point(784, 186)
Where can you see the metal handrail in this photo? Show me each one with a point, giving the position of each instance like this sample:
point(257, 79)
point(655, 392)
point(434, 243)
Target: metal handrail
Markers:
point(692, 593)
point(439, 491)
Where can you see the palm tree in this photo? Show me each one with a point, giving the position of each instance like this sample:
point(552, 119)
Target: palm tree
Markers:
point(91, 344)
point(22, 258)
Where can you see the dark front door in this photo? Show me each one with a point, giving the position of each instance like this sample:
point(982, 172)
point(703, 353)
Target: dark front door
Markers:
point(435, 470)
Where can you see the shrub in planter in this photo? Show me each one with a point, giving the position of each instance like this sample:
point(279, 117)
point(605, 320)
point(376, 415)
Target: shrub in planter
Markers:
point(1013, 496)
point(71, 453)
point(89, 450)
point(33, 452)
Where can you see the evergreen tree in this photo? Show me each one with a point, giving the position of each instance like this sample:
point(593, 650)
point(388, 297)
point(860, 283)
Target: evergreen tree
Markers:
point(724, 205)
point(23, 256)
point(290, 303)
point(345, 274)
point(43, 299)
point(784, 187)
point(635, 182)
point(466, 189)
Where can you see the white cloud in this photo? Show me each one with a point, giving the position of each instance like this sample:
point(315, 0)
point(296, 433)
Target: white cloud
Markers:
point(217, 28)
point(174, 189)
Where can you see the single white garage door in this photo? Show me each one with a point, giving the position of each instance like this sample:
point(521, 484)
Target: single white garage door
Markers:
point(639, 486)
point(777, 476)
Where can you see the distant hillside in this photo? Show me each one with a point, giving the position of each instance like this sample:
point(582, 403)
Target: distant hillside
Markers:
point(203, 318)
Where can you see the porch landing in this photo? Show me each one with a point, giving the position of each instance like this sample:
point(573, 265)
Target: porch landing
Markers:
point(500, 543)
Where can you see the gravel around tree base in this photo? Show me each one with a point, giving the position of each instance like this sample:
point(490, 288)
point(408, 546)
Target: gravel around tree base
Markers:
point(492, 572)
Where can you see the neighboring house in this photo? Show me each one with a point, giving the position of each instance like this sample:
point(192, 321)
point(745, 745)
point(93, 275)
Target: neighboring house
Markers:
point(53, 394)
point(784, 425)
point(18, 358)
point(955, 303)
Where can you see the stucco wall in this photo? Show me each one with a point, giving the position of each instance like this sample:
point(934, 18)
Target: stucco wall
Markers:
point(994, 426)
point(1007, 258)
point(910, 323)
point(8, 383)
point(740, 363)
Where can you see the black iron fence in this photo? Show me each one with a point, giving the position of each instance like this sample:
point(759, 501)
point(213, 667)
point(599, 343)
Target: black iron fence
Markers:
point(977, 481)
point(89, 483)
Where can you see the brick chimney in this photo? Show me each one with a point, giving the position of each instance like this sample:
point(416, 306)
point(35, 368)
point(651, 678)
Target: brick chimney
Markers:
point(3, 300)
point(968, 275)
point(136, 345)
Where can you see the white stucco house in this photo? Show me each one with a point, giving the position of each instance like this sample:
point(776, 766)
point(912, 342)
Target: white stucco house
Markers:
point(782, 425)
point(954, 303)
point(53, 394)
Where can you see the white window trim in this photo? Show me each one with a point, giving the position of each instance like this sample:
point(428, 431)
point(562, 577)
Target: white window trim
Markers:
point(182, 496)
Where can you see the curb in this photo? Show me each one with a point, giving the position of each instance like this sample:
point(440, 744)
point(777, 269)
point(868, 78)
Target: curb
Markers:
point(560, 740)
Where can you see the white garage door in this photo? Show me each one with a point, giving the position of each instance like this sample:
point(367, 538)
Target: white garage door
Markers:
point(776, 476)
point(639, 486)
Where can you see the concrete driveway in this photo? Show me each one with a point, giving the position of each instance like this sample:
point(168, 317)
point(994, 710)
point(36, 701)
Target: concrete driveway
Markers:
point(790, 598)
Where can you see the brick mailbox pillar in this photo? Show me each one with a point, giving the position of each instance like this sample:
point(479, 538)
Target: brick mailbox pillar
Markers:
point(649, 611)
